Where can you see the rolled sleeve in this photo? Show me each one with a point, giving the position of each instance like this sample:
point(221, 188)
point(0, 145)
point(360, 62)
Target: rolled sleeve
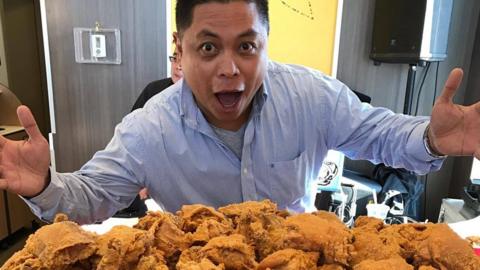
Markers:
point(416, 147)
point(45, 204)
point(379, 135)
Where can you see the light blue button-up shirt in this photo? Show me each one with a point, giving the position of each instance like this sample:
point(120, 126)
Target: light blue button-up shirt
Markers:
point(170, 148)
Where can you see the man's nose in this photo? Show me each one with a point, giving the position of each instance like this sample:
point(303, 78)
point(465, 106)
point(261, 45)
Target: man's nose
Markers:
point(228, 67)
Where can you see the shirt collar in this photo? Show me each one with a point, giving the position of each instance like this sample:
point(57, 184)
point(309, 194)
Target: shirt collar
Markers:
point(261, 97)
point(188, 106)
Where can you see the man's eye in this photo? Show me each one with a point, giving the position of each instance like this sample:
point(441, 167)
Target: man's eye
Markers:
point(208, 48)
point(247, 47)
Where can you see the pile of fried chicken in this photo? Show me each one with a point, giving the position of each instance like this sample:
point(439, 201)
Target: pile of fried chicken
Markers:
point(250, 235)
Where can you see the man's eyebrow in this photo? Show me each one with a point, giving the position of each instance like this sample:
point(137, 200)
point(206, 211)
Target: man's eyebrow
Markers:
point(249, 33)
point(206, 33)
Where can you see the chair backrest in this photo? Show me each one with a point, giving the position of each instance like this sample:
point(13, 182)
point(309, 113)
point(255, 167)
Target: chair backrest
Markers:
point(363, 97)
point(8, 107)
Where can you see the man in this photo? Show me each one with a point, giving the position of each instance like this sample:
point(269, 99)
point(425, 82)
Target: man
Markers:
point(156, 87)
point(237, 127)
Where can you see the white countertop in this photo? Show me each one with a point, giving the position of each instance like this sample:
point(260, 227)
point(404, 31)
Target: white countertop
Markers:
point(5, 130)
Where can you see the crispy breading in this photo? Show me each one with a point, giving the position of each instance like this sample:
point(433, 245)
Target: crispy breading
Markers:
point(165, 227)
point(61, 244)
point(232, 251)
point(122, 247)
point(23, 260)
point(153, 259)
point(249, 235)
point(209, 229)
point(290, 259)
point(396, 263)
point(233, 211)
point(194, 215)
point(314, 233)
point(194, 259)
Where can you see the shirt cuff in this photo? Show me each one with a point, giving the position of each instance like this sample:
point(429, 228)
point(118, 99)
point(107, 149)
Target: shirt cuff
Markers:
point(416, 144)
point(426, 143)
point(48, 199)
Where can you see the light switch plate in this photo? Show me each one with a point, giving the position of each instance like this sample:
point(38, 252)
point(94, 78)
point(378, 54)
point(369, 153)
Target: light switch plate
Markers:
point(94, 46)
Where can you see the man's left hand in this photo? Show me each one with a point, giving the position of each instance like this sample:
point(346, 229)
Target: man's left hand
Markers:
point(454, 129)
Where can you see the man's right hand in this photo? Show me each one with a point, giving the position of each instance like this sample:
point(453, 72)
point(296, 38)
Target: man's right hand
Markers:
point(24, 165)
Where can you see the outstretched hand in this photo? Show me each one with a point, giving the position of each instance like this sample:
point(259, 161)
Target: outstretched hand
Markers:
point(24, 164)
point(455, 129)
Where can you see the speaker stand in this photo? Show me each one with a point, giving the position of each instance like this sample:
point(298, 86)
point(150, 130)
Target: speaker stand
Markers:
point(407, 106)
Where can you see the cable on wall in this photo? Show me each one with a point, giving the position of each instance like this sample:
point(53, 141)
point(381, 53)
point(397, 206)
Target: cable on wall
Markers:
point(425, 73)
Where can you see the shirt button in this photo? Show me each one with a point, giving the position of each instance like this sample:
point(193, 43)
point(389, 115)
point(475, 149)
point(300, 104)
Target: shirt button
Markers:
point(245, 171)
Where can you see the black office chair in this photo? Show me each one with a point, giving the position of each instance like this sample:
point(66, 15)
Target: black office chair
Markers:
point(363, 97)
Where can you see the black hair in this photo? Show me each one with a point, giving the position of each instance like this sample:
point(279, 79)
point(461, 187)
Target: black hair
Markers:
point(184, 11)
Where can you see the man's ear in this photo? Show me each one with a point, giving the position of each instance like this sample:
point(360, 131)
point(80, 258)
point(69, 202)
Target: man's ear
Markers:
point(178, 44)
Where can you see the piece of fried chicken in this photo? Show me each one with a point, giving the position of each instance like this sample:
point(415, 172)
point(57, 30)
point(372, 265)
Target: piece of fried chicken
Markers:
point(231, 252)
point(61, 244)
point(331, 267)
point(370, 244)
point(419, 244)
point(315, 233)
point(261, 223)
point(193, 259)
point(265, 231)
point(165, 228)
point(122, 248)
point(234, 211)
point(202, 223)
point(207, 230)
point(435, 245)
point(396, 263)
point(23, 260)
point(269, 232)
point(194, 215)
point(290, 259)
point(153, 259)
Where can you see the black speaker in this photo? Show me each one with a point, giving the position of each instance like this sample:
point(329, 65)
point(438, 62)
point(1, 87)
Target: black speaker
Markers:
point(411, 31)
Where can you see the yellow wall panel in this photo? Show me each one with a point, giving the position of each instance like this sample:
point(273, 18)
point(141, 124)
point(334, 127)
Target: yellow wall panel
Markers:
point(303, 32)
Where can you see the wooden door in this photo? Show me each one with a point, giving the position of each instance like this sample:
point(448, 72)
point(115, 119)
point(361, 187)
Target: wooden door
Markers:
point(90, 99)
point(3, 216)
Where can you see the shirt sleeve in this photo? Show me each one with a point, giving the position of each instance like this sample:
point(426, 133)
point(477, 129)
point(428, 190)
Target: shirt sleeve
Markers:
point(378, 134)
point(105, 184)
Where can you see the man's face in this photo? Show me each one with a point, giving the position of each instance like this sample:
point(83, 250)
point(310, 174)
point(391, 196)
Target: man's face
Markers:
point(223, 56)
point(177, 73)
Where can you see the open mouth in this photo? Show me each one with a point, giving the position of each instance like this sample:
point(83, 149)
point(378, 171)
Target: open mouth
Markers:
point(228, 99)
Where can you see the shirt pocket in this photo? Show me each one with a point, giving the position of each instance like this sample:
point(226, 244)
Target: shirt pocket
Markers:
point(287, 180)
